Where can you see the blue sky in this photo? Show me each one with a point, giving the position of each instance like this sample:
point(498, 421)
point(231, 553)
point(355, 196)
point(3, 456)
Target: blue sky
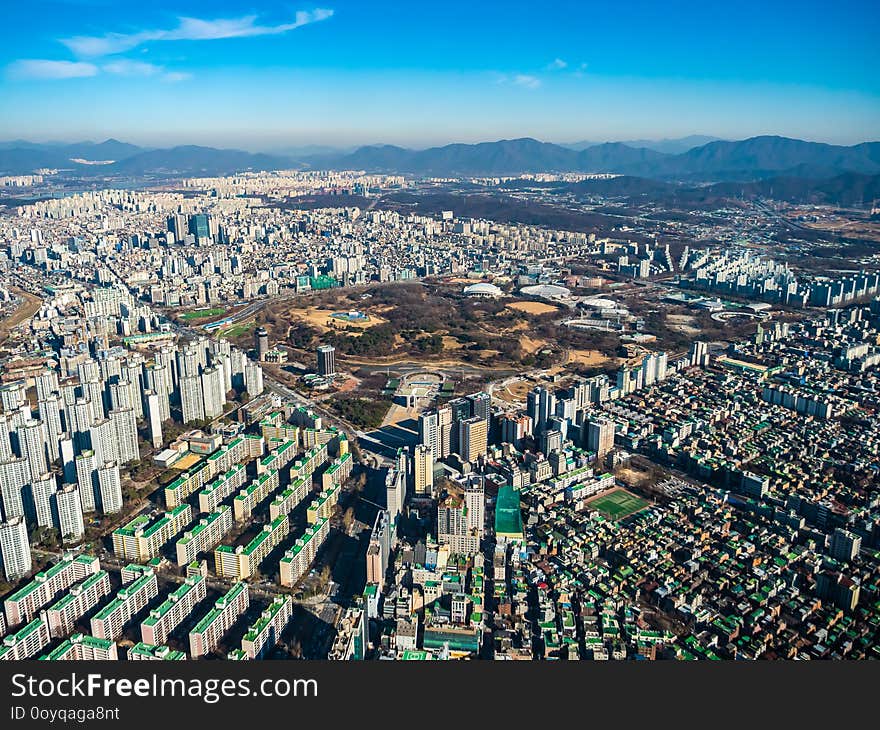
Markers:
point(262, 75)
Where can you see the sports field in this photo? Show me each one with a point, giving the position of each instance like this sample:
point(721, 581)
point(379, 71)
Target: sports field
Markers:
point(202, 313)
point(617, 504)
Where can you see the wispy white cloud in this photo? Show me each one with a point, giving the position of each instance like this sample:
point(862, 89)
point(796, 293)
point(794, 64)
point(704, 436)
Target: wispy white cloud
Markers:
point(175, 76)
point(557, 64)
point(526, 81)
point(38, 68)
point(126, 67)
point(190, 29)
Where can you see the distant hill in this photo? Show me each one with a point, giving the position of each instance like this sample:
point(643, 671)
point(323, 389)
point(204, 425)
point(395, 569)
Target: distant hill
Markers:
point(757, 158)
point(667, 146)
point(192, 159)
point(848, 189)
point(761, 157)
point(751, 159)
point(19, 158)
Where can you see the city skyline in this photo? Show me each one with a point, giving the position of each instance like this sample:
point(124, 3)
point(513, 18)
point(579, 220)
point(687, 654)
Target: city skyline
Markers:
point(228, 75)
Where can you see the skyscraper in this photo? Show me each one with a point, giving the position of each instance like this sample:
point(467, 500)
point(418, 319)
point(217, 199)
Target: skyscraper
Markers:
point(327, 360)
point(429, 432)
point(423, 469)
point(473, 437)
point(475, 501)
point(699, 354)
point(261, 343)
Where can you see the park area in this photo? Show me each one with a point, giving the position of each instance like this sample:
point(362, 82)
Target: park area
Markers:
point(617, 504)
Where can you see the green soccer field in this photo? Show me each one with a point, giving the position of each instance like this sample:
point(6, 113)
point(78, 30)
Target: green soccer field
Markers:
point(618, 504)
point(202, 314)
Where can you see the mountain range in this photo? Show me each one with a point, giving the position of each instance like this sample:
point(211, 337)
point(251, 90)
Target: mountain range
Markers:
point(754, 159)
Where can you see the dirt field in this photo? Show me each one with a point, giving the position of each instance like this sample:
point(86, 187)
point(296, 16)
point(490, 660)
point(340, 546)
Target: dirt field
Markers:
point(532, 307)
point(321, 319)
point(515, 392)
point(185, 462)
point(590, 358)
point(531, 344)
point(682, 323)
point(25, 311)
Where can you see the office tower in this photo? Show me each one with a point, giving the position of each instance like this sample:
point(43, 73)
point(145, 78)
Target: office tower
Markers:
point(460, 410)
point(50, 409)
point(444, 431)
point(475, 502)
point(42, 491)
point(125, 430)
point(69, 511)
point(699, 354)
point(580, 393)
point(261, 343)
point(473, 437)
point(192, 404)
point(423, 469)
point(844, 545)
point(154, 417)
point(110, 487)
point(32, 442)
point(395, 492)
point(429, 432)
point(551, 441)
point(253, 379)
point(200, 227)
point(379, 548)
point(87, 480)
point(540, 405)
point(177, 226)
point(15, 548)
point(600, 436)
point(14, 475)
point(515, 428)
point(557, 423)
point(212, 392)
point(480, 405)
point(103, 440)
point(327, 360)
